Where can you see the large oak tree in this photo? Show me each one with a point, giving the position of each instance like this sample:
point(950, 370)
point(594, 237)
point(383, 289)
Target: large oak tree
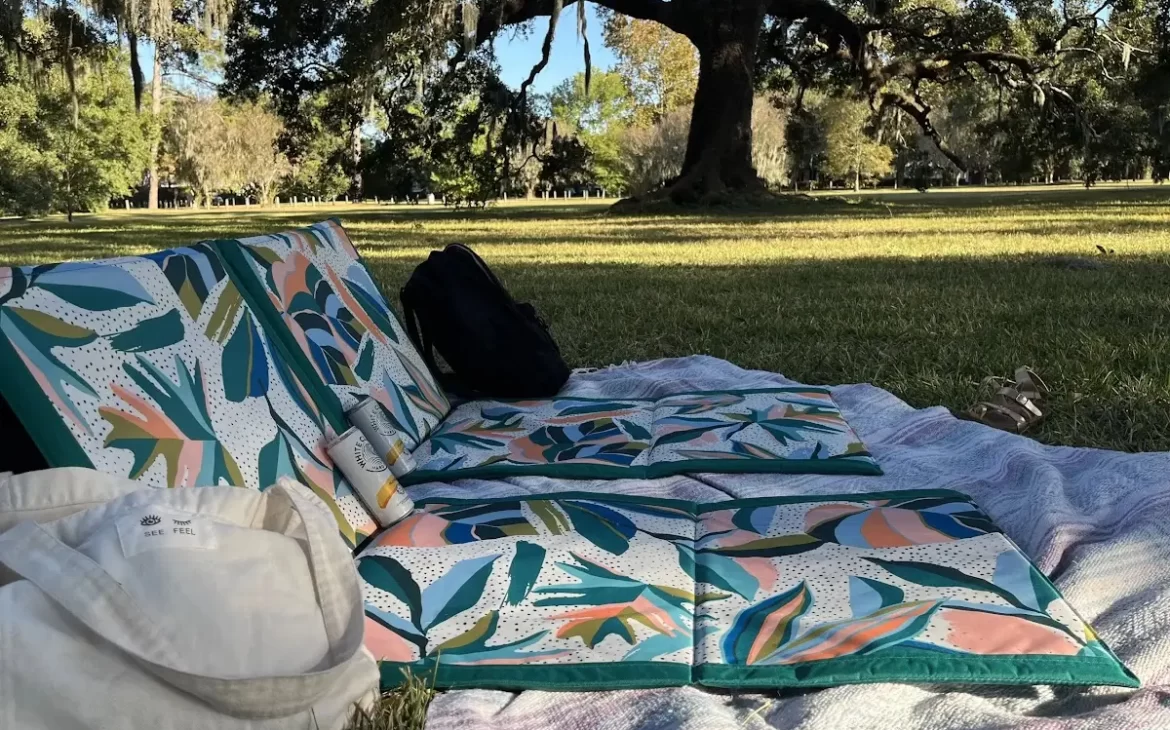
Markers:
point(888, 51)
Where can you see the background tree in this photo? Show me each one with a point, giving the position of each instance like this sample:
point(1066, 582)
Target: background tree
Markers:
point(850, 150)
point(892, 52)
point(263, 165)
point(67, 143)
point(318, 148)
point(769, 146)
point(204, 149)
point(606, 105)
point(567, 165)
point(598, 116)
point(659, 67)
point(654, 154)
point(807, 145)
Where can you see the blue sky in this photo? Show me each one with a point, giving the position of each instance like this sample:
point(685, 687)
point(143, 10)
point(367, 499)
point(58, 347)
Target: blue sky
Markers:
point(518, 55)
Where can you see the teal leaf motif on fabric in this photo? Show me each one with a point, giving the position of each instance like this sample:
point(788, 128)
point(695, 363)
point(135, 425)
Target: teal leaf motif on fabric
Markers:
point(33, 335)
point(1016, 574)
point(687, 405)
point(471, 647)
point(856, 636)
point(423, 391)
point(276, 460)
point(491, 521)
point(94, 289)
point(399, 411)
point(740, 451)
point(495, 429)
point(192, 272)
point(378, 314)
point(245, 362)
point(868, 596)
point(567, 407)
point(597, 586)
point(759, 630)
point(941, 576)
point(635, 431)
point(610, 604)
point(389, 575)
point(768, 547)
point(172, 423)
point(457, 590)
point(523, 571)
point(151, 334)
point(680, 429)
point(726, 573)
point(891, 523)
point(294, 388)
point(606, 528)
point(686, 559)
point(364, 367)
point(597, 441)
point(754, 519)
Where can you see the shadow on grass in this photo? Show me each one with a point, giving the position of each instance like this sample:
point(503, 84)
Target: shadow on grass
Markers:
point(422, 229)
point(930, 330)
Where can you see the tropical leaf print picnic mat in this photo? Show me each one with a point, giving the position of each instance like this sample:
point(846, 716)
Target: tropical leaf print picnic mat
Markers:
point(579, 591)
point(792, 429)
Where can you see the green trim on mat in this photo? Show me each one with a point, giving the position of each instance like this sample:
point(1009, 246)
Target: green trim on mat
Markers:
point(37, 413)
point(699, 508)
point(234, 258)
point(650, 471)
point(891, 665)
point(923, 665)
point(582, 676)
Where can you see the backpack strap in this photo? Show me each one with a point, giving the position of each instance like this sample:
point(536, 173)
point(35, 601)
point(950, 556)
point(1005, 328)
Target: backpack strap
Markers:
point(418, 335)
point(409, 314)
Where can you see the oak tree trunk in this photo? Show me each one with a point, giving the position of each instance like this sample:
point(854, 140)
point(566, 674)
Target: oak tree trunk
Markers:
point(156, 128)
point(719, 146)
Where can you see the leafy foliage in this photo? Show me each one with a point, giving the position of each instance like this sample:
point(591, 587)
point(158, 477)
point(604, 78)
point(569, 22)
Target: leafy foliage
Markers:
point(218, 146)
point(52, 164)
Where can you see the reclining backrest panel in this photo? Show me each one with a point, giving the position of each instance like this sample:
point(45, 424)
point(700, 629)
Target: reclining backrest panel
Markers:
point(320, 290)
point(155, 368)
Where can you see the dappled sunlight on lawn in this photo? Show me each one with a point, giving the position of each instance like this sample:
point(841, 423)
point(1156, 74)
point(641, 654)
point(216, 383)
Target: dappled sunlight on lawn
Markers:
point(925, 295)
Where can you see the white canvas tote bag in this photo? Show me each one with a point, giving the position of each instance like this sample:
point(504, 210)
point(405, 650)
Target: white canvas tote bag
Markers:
point(183, 608)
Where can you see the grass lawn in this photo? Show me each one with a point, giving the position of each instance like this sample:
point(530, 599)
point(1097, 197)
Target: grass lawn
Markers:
point(924, 295)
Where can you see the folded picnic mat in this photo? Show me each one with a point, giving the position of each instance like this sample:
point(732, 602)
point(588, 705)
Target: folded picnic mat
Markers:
point(580, 591)
point(313, 288)
point(155, 368)
point(797, 429)
point(233, 362)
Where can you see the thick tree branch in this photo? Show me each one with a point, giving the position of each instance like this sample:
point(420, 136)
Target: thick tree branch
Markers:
point(514, 12)
point(919, 111)
point(827, 16)
point(939, 65)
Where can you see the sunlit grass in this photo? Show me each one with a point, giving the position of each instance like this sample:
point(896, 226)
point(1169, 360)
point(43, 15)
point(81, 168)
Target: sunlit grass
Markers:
point(925, 295)
point(404, 708)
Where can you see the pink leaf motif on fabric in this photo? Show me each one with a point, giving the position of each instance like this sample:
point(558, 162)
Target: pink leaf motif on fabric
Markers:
point(983, 632)
point(386, 645)
point(418, 530)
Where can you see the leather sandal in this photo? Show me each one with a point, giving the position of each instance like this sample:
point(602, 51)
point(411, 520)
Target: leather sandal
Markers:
point(1013, 408)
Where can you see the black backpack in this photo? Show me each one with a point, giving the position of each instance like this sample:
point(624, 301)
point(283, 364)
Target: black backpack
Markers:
point(496, 346)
